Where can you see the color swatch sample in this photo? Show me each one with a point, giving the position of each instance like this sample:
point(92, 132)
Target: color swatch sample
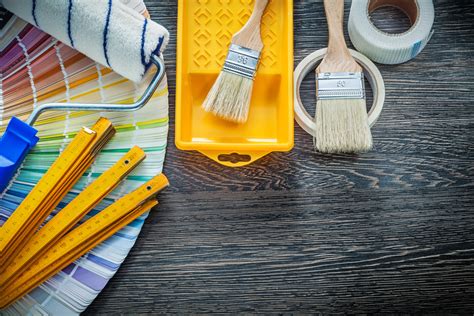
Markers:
point(36, 69)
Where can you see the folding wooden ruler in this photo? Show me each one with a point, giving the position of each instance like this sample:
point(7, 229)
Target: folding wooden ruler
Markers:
point(83, 238)
point(29, 258)
point(70, 215)
point(52, 188)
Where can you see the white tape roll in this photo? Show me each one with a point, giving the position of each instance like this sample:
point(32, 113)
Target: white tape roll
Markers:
point(308, 65)
point(388, 48)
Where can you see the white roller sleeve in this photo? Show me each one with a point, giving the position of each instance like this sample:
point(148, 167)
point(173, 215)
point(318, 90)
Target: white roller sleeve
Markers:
point(106, 31)
point(387, 48)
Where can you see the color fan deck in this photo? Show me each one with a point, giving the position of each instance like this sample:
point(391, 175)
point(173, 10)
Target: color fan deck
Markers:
point(36, 69)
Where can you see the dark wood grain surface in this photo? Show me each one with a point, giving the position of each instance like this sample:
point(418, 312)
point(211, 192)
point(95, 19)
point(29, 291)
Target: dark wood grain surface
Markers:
point(300, 232)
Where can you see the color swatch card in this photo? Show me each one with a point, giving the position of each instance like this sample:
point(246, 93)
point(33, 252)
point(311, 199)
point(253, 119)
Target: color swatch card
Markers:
point(36, 69)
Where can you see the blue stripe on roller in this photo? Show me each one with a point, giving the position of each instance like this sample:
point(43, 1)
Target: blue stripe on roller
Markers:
point(142, 49)
point(106, 31)
point(156, 51)
point(415, 49)
point(158, 48)
point(33, 12)
point(69, 13)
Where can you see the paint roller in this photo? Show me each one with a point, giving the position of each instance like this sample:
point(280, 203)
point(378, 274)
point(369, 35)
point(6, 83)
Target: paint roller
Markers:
point(106, 31)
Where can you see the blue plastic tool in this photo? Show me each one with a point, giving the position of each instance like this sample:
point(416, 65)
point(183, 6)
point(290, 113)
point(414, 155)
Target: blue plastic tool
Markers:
point(15, 144)
point(20, 137)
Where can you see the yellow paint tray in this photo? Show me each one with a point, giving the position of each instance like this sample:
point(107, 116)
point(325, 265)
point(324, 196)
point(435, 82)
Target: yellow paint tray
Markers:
point(205, 29)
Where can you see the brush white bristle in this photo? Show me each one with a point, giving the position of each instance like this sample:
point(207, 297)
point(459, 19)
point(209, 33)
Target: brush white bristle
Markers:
point(229, 97)
point(342, 126)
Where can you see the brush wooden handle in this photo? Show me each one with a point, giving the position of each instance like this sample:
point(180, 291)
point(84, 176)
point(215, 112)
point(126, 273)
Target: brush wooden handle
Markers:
point(249, 36)
point(338, 57)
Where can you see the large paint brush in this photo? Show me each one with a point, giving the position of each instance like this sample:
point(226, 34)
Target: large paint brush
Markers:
point(341, 115)
point(229, 98)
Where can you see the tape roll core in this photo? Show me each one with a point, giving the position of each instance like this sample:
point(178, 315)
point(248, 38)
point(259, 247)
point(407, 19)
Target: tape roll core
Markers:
point(409, 7)
point(387, 48)
point(308, 65)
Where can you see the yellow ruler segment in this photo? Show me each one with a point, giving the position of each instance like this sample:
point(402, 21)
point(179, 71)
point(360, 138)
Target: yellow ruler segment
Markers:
point(85, 237)
point(78, 252)
point(25, 212)
point(52, 187)
point(70, 215)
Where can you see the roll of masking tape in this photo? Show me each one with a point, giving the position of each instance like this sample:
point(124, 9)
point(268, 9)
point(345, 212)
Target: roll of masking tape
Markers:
point(388, 48)
point(307, 65)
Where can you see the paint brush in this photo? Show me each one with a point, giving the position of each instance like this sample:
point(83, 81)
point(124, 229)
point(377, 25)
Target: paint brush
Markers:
point(341, 115)
point(229, 97)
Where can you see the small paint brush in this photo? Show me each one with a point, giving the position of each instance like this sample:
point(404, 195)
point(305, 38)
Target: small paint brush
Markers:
point(341, 115)
point(229, 97)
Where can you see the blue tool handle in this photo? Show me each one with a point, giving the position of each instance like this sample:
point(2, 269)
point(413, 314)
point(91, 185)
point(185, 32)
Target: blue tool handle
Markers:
point(15, 144)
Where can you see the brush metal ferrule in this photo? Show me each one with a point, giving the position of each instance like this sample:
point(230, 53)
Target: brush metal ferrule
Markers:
point(242, 61)
point(340, 85)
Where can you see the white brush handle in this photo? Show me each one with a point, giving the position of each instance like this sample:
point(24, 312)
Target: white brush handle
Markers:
point(106, 31)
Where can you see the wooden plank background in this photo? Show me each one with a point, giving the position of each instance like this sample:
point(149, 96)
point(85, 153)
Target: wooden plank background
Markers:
point(387, 231)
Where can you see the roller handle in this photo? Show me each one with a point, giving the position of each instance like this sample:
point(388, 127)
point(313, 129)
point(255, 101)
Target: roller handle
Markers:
point(20, 137)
